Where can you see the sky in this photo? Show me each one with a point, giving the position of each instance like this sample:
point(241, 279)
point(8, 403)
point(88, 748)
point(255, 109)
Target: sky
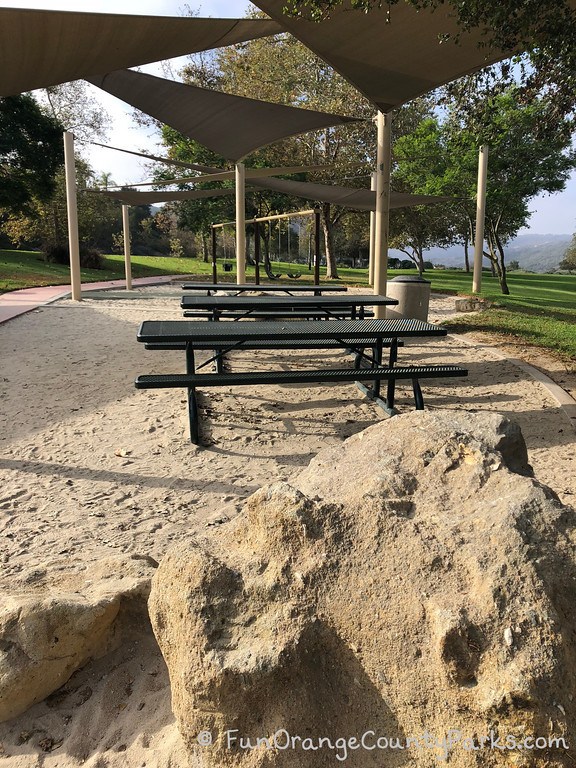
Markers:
point(552, 214)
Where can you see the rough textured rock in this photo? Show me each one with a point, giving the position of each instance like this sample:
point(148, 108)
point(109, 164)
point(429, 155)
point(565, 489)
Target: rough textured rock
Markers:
point(409, 584)
point(52, 624)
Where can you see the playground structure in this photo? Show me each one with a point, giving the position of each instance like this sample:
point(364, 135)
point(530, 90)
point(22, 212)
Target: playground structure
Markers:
point(260, 234)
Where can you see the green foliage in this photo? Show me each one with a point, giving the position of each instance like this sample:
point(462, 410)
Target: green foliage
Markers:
point(569, 260)
point(72, 106)
point(525, 159)
point(31, 151)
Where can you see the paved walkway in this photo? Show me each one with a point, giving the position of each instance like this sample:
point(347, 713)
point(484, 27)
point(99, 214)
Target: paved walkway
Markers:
point(17, 303)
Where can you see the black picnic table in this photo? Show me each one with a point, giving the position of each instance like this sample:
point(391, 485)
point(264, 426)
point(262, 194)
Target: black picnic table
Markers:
point(239, 288)
point(353, 335)
point(343, 307)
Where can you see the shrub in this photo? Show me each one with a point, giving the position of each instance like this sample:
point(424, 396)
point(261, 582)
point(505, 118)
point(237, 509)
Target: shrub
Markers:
point(90, 258)
point(56, 254)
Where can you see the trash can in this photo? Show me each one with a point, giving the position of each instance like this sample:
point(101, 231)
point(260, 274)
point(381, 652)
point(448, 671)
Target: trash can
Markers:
point(413, 295)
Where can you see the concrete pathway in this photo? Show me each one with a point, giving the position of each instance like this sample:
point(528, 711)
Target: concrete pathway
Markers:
point(17, 303)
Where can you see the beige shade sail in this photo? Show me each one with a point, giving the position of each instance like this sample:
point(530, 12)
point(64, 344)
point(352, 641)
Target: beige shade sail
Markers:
point(41, 48)
point(391, 54)
point(133, 197)
point(232, 126)
point(360, 199)
point(250, 173)
point(160, 159)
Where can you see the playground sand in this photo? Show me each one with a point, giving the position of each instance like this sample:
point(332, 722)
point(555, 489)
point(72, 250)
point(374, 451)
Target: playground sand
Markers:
point(91, 468)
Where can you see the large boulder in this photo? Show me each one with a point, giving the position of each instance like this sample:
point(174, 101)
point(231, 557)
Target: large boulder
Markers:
point(53, 623)
point(408, 587)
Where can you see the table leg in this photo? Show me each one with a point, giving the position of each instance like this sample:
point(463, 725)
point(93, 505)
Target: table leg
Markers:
point(193, 416)
point(391, 389)
point(378, 364)
point(418, 398)
point(190, 364)
point(393, 352)
point(192, 404)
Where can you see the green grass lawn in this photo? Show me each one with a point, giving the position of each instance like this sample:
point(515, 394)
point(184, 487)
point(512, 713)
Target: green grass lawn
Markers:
point(541, 309)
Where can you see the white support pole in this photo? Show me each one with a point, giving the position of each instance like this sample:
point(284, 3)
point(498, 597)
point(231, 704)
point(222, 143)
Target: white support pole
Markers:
point(127, 261)
point(72, 206)
point(372, 234)
point(240, 223)
point(381, 215)
point(480, 215)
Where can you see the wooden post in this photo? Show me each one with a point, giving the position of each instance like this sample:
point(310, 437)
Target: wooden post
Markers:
point(316, 246)
point(214, 264)
point(372, 234)
point(381, 215)
point(127, 262)
point(72, 205)
point(240, 223)
point(257, 253)
point(480, 215)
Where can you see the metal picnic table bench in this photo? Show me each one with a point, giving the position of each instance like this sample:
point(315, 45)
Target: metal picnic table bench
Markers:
point(239, 288)
point(353, 335)
point(351, 306)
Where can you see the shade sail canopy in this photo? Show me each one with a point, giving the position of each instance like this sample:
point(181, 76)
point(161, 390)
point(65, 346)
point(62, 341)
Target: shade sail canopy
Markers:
point(390, 54)
point(133, 197)
point(232, 126)
point(41, 48)
point(160, 159)
point(250, 173)
point(359, 199)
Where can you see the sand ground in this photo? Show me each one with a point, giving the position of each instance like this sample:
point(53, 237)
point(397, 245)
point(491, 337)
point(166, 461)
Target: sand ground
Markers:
point(92, 467)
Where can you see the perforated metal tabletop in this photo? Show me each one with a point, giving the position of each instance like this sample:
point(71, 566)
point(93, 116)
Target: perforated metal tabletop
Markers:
point(223, 303)
point(278, 287)
point(190, 331)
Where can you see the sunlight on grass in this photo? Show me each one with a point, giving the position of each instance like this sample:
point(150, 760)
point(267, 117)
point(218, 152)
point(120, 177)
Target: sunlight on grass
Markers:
point(541, 309)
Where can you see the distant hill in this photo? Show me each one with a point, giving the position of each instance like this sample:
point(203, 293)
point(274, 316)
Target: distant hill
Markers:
point(537, 253)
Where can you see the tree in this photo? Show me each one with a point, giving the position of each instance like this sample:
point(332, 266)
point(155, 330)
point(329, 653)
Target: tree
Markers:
point(72, 105)
point(414, 230)
point(528, 155)
point(422, 164)
point(569, 260)
point(31, 152)
point(44, 225)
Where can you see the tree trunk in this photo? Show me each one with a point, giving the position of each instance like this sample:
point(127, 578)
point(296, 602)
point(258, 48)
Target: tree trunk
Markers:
point(502, 265)
point(249, 259)
point(205, 250)
point(468, 238)
point(331, 269)
point(497, 261)
point(419, 254)
point(266, 263)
